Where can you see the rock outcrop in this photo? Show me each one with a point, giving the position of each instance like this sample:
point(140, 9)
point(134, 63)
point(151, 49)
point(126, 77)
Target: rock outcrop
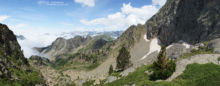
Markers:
point(192, 21)
point(215, 44)
point(10, 52)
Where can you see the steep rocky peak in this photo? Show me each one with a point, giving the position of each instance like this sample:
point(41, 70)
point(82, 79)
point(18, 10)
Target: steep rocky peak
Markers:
point(12, 60)
point(192, 21)
point(58, 40)
point(8, 41)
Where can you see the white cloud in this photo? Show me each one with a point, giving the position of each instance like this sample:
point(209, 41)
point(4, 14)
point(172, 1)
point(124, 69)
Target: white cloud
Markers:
point(27, 45)
point(89, 3)
point(3, 18)
point(121, 20)
point(159, 2)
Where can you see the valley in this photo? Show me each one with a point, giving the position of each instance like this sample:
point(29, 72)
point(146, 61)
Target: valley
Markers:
point(178, 46)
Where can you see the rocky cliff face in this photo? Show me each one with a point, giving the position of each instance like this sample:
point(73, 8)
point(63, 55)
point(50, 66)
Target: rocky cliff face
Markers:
point(13, 65)
point(10, 52)
point(192, 21)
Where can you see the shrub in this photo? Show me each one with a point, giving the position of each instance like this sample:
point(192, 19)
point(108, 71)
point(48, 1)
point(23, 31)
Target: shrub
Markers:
point(123, 61)
point(163, 67)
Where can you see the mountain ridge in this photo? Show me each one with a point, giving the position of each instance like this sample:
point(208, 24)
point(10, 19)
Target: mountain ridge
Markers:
point(178, 22)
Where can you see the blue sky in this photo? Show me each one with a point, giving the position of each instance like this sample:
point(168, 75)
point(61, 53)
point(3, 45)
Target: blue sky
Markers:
point(74, 15)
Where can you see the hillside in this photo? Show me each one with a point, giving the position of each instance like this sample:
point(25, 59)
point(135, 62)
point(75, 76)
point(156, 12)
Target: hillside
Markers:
point(186, 27)
point(14, 67)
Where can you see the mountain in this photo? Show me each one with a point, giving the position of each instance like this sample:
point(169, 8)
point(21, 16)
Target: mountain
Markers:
point(188, 28)
point(189, 20)
point(14, 67)
point(62, 46)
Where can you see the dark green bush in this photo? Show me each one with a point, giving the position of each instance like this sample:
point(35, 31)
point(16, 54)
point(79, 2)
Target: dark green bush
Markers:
point(110, 70)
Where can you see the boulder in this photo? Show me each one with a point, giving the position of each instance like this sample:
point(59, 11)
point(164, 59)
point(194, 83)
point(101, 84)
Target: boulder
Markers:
point(111, 79)
point(215, 44)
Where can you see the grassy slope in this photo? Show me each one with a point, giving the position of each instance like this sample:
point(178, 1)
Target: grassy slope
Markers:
point(194, 75)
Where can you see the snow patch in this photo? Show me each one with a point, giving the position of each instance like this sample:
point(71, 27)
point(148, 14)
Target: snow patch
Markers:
point(27, 45)
point(186, 45)
point(154, 46)
point(145, 38)
point(169, 46)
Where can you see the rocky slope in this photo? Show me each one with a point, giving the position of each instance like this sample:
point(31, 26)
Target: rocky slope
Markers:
point(14, 67)
point(192, 21)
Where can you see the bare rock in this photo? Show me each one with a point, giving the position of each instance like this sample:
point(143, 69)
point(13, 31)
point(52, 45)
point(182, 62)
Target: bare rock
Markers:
point(127, 71)
point(111, 79)
point(148, 72)
point(215, 44)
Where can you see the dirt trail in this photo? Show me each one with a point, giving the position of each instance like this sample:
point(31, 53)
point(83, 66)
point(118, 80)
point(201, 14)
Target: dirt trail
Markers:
point(200, 59)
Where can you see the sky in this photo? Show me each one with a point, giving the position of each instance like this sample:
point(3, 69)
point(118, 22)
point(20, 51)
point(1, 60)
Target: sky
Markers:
point(31, 18)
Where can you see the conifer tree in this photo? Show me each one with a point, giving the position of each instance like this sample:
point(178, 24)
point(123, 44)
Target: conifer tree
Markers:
point(110, 70)
point(123, 59)
point(163, 67)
